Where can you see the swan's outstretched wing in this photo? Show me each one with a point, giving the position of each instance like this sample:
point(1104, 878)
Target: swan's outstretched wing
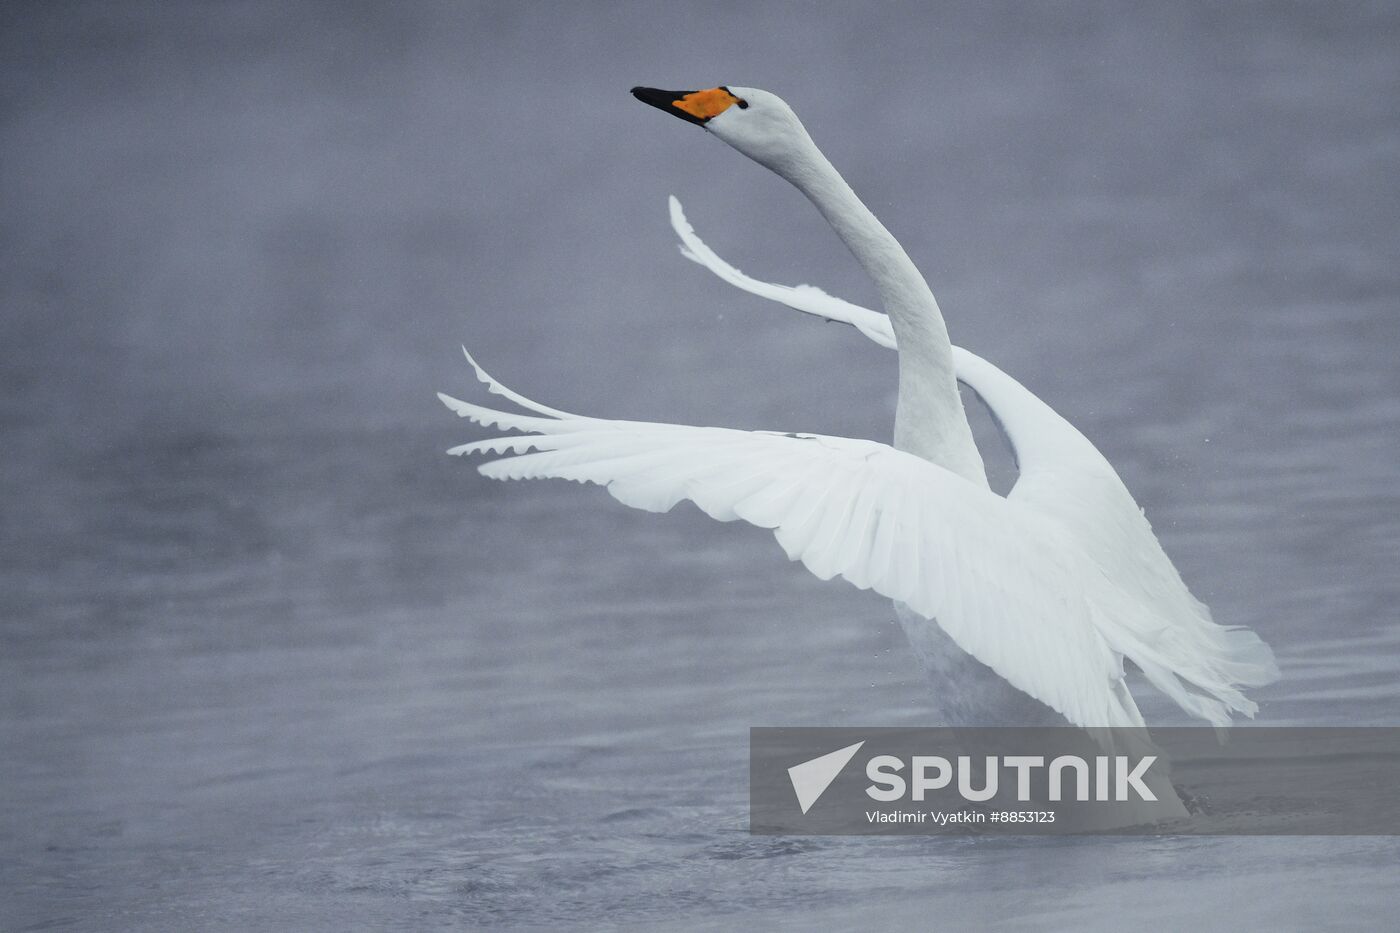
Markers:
point(1003, 581)
point(1065, 478)
point(999, 582)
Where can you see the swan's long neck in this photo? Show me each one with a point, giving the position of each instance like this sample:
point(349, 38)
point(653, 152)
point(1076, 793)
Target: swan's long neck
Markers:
point(929, 419)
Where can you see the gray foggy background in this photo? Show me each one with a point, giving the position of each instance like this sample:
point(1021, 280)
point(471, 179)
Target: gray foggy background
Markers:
point(271, 661)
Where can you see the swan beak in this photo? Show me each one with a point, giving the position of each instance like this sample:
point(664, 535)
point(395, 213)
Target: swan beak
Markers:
point(696, 107)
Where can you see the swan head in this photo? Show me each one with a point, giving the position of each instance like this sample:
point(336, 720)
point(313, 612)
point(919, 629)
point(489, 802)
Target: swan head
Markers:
point(759, 124)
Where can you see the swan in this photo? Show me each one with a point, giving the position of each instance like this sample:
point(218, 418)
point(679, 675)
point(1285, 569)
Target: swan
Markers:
point(1021, 605)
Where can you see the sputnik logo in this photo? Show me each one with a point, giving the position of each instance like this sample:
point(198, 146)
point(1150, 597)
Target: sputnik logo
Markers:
point(810, 779)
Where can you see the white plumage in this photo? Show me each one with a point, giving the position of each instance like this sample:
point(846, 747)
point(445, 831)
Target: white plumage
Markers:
point(1050, 587)
point(1065, 478)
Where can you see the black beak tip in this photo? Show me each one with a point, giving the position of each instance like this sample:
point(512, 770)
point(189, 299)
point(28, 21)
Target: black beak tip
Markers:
point(662, 100)
point(655, 96)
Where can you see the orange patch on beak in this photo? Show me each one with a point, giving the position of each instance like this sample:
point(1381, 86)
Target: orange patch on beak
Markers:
point(702, 105)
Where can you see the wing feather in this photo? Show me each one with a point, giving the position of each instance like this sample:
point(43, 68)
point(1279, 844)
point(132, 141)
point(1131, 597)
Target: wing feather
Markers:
point(856, 509)
point(1064, 478)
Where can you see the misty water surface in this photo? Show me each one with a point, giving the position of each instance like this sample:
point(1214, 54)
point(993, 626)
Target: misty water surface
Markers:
point(272, 661)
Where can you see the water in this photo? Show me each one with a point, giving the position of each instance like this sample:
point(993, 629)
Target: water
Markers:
point(271, 661)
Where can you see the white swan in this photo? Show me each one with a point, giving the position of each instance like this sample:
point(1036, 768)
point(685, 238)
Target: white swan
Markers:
point(1049, 587)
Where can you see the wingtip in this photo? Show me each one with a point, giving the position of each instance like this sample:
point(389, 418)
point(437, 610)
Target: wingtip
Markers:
point(481, 375)
point(496, 388)
point(453, 405)
point(678, 222)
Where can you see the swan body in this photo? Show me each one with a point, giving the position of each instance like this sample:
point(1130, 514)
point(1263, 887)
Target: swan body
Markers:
point(1045, 591)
